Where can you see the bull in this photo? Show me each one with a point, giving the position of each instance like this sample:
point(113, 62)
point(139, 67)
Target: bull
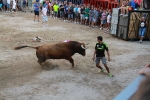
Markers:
point(64, 50)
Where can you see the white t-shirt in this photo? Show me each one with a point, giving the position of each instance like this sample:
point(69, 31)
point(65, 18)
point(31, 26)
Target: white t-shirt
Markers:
point(79, 10)
point(8, 1)
point(14, 4)
point(44, 10)
point(108, 18)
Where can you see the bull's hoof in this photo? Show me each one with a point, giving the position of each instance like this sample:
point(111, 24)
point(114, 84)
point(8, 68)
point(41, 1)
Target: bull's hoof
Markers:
point(72, 67)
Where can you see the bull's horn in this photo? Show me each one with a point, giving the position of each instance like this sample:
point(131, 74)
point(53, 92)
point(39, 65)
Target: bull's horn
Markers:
point(83, 47)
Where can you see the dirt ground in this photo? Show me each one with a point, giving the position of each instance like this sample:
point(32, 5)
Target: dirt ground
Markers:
point(21, 77)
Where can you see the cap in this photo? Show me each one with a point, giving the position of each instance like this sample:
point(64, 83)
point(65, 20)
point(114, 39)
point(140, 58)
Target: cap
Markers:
point(37, 0)
point(100, 38)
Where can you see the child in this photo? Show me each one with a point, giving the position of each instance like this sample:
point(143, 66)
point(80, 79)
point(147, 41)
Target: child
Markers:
point(44, 16)
point(14, 8)
point(103, 20)
point(108, 21)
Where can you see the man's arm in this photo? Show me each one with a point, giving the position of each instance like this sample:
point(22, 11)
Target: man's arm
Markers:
point(108, 55)
point(137, 16)
point(146, 24)
point(94, 55)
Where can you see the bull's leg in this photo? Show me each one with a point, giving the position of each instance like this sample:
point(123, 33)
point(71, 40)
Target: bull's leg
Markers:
point(71, 61)
point(40, 62)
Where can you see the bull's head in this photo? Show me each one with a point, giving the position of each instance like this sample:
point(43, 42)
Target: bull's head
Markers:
point(82, 49)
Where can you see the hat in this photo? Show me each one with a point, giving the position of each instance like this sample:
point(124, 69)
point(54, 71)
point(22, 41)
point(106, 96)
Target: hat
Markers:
point(37, 0)
point(100, 38)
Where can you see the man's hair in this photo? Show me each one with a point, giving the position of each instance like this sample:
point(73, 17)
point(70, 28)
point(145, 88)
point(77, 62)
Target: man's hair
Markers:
point(100, 38)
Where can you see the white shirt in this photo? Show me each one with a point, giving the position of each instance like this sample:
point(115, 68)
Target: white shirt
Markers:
point(79, 10)
point(44, 10)
point(8, 1)
point(14, 4)
point(108, 18)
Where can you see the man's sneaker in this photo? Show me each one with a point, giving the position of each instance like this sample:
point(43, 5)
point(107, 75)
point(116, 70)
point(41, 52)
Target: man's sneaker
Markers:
point(140, 41)
point(121, 14)
point(102, 70)
point(109, 74)
point(101, 28)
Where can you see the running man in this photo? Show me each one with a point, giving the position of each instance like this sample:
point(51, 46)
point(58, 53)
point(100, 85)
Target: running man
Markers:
point(100, 55)
point(44, 16)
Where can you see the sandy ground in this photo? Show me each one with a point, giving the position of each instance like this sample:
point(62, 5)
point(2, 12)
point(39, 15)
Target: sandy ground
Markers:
point(21, 77)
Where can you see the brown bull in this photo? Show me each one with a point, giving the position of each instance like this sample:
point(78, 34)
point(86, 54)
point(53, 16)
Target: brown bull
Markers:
point(63, 50)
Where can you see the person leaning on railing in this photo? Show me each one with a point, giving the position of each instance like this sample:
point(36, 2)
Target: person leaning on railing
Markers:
point(143, 92)
point(143, 27)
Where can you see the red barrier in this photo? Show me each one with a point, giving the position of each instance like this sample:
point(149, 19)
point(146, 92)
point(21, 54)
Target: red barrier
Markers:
point(103, 4)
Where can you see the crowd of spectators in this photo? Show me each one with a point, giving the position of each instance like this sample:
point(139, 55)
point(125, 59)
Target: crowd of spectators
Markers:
point(79, 14)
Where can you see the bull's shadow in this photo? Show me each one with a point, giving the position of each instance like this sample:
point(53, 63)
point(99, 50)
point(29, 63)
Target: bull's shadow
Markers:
point(56, 64)
point(49, 66)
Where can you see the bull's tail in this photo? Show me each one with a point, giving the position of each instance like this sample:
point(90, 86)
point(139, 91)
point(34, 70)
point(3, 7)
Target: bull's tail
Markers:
point(17, 48)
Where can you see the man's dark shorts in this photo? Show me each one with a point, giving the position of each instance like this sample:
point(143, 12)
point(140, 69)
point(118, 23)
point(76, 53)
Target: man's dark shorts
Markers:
point(36, 13)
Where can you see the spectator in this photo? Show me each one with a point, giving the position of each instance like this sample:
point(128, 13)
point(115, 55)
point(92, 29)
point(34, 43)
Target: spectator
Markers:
point(8, 6)
point(95, 18)
point(132, 5)
point(100, 16)
point(124, 7)
point(140, 3)
point(56, 8)
point(43, 2)
point(5, 5)
point(61, 9)
point(91, 16)
point(100, 48)
point(76, 16)
point(70, 13)
point(82, 18)
point(103, 20)
point(86, 15)
point(143, 27)
point(79, 12)
point(36, 10)
point(24, 5)
point(136, 4)
point(27, 4)
point(44, 16)
point(14, 7)
point(108, 22)
point(46, 4)
point(1, 4)
point(51, 10)
point(66, 12)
